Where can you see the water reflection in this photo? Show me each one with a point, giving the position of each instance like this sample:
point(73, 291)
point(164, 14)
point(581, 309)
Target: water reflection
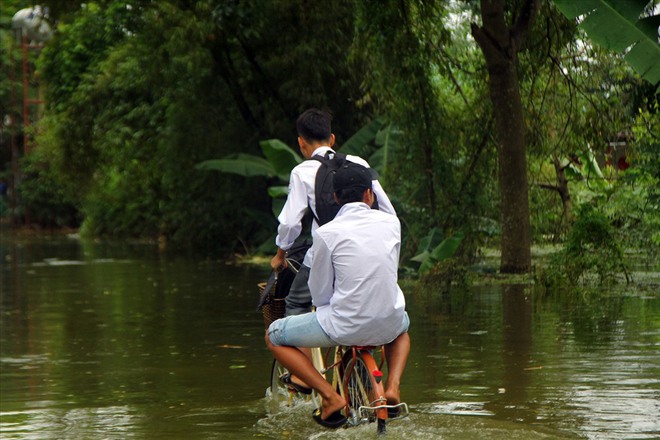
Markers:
point(517, 362)
point(101, 341)
point(581, 364)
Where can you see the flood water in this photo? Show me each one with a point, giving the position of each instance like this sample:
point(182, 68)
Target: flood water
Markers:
point(110, 342)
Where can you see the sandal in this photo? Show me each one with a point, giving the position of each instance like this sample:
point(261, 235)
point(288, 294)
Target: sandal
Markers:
point(286, 380)
point(393, 413)
point(336, 420)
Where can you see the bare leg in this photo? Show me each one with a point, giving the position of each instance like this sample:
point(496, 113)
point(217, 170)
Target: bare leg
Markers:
point(396, 354)
point(294, 378)
point(298, 364)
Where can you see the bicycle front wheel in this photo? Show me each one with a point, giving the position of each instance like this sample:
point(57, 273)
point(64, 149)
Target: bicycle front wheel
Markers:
point(278, 391)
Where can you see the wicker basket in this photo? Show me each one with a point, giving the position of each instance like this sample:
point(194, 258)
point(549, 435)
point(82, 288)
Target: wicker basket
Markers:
point(273, 308)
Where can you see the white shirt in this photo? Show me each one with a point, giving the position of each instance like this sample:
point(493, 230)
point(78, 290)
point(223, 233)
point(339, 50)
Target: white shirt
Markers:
point(353, 279)
point(301, 195)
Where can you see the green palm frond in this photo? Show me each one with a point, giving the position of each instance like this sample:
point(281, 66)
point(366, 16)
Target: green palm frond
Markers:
point(620, 25)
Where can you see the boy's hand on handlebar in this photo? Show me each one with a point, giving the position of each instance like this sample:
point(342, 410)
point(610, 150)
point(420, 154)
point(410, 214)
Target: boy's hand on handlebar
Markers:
point(278, 263)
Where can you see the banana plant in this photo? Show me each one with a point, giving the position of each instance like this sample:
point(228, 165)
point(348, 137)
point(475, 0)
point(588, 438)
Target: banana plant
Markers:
point(434, 248)
point(589, 171)
point(373, 141)
point(277, 162)
point(628, 27)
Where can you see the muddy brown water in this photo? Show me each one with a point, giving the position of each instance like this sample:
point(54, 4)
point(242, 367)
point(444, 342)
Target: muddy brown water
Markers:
point(112, 342)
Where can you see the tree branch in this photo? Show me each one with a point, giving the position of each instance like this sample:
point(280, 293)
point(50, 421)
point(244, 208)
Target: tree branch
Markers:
point(524, 23)
point(549, 186)
point(226, 69)
point(252, 60)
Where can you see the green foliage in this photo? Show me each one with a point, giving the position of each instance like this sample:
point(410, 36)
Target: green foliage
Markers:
point(442, 276)
point(121, 128)
point(278, 162)
point(641, 202)
point(80, 46)
point(593, 248)
point(140, 93)
point(279, 159)
point(283, 158)
point(365, 144)
point(245, 165)
point(428, 79)
point(434, 249)
point(621, 26)
point(43, 197)
point(579, 99)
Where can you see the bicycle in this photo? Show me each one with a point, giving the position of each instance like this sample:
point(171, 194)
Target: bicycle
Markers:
point(354, 372)
point(357, 376)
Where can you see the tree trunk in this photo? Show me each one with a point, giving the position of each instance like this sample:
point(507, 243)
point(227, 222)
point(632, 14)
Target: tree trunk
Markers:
point(500, 45)
point(562, 189)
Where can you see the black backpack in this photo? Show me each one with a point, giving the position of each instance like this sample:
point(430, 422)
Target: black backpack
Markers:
point(326, 206)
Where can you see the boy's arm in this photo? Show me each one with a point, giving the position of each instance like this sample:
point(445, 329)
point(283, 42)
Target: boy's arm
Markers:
point(290, 220)
point(384, 203)
point(322, 273)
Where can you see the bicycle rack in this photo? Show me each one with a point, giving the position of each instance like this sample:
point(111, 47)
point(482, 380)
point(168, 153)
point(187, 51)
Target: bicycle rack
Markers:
point(364, 412)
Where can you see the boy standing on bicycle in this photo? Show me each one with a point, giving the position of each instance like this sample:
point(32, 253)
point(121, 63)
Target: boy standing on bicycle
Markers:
point(353, 283)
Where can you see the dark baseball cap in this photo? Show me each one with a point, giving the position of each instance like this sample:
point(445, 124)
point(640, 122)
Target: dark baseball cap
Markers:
point(353, 175)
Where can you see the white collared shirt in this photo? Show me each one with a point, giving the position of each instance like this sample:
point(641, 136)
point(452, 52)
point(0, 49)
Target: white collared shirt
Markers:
point(301, 195)
point(353, 279)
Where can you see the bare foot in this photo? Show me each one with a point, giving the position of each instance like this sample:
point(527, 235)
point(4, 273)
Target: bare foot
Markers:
point(393, 397)
point(332, 405)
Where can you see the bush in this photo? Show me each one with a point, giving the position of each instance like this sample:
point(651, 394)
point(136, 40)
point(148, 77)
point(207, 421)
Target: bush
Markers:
point(42, 194)
point(593, 249)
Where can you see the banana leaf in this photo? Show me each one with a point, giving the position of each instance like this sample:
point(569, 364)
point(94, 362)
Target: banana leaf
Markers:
point(277, 205)
point(245, 165)
point(448, 247)
point(426, 244)
point(278, 191)
point(360, 143)
point(434, 249)
point(388, 138)
point(280, 156)
point(618, 25)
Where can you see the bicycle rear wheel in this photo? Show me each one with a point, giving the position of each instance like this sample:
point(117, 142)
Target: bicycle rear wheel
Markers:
point(363, 390)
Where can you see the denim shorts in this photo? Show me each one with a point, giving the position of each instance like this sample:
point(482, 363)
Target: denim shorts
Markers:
point(299, 331)
point(305, 331)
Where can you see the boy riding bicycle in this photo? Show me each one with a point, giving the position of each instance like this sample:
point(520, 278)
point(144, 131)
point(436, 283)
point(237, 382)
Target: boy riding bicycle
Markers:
point(353, 282)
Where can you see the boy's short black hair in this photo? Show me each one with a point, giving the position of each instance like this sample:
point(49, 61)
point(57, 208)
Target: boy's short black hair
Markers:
point(351, 181)
point(314, 125)
point(349, 195)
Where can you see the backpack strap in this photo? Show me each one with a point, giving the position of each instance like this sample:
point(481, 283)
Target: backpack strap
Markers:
point(330, 162)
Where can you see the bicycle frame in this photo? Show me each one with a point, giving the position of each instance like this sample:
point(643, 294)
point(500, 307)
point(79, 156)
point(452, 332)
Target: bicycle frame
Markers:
point(356, 375)
point(356, 384)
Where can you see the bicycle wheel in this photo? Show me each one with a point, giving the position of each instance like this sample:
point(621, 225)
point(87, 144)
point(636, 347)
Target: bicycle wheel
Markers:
point(362, 389)
point(278, 392)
